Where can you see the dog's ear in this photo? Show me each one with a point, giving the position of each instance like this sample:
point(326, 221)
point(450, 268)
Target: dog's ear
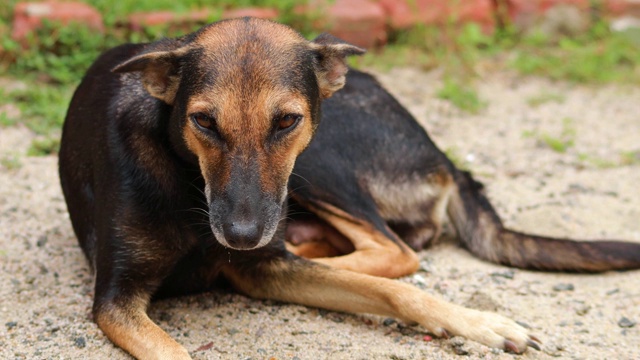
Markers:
point(331, 66)
point(160, 72)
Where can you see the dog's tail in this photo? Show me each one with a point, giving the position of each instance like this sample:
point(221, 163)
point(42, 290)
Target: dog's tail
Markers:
point(482, 232)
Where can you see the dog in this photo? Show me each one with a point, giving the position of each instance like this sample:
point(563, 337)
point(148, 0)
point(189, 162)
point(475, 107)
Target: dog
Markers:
point(188, 162)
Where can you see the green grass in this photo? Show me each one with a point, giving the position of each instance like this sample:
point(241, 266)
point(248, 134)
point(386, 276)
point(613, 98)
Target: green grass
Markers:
point(544, 98)
point(565, 141)
point(42, 109)
point(463, 96)
point(625, 158)
point(560, 143)
point(630, 157)
point(10, 162)
point(598, 56)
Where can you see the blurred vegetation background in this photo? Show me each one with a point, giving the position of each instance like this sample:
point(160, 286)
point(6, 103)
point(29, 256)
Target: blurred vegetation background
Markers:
point(44, 69)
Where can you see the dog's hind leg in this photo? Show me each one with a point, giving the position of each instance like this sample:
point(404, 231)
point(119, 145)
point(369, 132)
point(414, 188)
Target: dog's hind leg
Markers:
point(292, 279)
point(379, 253)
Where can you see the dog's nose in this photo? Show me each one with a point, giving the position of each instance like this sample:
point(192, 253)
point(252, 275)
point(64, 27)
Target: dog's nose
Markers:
point(242, 234)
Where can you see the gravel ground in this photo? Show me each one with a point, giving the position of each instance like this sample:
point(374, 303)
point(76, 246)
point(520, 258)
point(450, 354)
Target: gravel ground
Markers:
point(585, 192)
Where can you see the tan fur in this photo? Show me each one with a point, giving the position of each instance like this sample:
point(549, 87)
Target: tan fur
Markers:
point(158, 76)
point(314, 249)
point(131, 329)
point(352, 292)
point(375, 254)
point(245, 124)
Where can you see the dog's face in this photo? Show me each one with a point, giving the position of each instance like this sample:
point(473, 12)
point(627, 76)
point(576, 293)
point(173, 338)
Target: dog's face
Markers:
point(246, 95)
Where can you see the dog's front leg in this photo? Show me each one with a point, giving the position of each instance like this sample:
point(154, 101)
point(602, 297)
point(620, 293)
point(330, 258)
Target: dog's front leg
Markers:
point(300, 281)
point(126, 324)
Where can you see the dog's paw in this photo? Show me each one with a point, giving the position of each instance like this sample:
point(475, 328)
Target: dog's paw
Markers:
point(487, 328)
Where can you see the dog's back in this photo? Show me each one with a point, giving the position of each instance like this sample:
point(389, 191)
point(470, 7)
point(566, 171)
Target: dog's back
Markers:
point(84, 138)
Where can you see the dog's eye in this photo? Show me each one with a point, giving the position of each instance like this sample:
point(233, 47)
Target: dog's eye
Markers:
point(287, 121)
point(203, 120)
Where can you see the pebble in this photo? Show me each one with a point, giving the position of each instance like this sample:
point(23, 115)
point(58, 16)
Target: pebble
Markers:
point(80, 342)
point(11, 324)
point(614, 291)
point(583, 310)
point(419, 279)
point(425, 266)
point(388, 322)
point(563, 287)
point(42, 241)
point(523, 324)
point(625, 322)
point(507, 274)
point(459, 346)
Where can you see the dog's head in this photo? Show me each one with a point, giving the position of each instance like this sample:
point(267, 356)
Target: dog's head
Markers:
point(245, 98)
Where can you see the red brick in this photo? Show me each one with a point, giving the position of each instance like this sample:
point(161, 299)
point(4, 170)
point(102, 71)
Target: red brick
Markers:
point(140, 20)
point(262, 13)
point(525, 13)
point(27, 17)
point(403, 14)
point(359, 22)
point(539, 7)
point(622, 8)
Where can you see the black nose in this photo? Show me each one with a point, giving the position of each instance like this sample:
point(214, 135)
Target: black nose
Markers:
point(242, 234)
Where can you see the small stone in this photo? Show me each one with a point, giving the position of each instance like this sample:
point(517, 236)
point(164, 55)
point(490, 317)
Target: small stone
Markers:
point(625, 322)
point(43, 269)
point(563, 287)
point(523, 324)
point(11, 324)
point(335, 317)
point(425, 266)
point(299, 332)
point(614, 291)
point(80, 342)
point(459, 346)
point(388, 322)
point(583, 310)
point(419, 279)
point(507, 274)
point(254, 310)
point(42, 241)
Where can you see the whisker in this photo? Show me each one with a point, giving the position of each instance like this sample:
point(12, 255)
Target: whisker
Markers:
point(301, 177)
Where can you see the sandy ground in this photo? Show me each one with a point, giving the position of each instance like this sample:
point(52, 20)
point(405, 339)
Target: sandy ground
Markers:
point(586, 192)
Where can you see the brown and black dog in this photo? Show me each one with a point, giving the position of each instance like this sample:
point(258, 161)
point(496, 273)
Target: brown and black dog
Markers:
point(189, 160)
